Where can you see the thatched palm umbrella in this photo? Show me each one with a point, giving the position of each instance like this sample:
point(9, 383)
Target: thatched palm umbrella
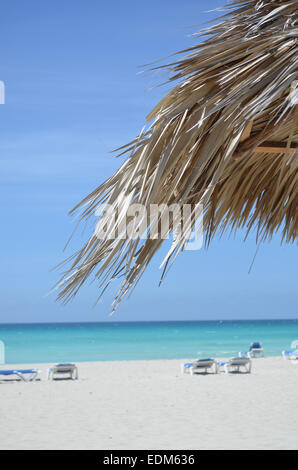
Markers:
point(225, 136)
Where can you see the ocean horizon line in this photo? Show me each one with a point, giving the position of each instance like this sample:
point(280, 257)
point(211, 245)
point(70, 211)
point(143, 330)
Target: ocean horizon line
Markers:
point(103, 322)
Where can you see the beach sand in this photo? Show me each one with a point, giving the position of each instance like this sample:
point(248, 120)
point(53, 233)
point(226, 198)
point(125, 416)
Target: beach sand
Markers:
point(150, 405)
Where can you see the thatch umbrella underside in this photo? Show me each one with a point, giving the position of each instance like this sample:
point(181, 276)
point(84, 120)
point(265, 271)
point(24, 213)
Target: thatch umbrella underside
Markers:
point(225, 137)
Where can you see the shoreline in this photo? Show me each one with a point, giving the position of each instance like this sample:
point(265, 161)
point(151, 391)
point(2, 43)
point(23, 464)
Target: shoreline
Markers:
point(151, 405)
point(108, 361)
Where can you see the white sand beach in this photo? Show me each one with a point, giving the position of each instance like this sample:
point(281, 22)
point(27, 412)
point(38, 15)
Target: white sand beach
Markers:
point(150, 405)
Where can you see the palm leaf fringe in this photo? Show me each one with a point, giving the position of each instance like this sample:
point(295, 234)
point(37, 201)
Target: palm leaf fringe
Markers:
point(195, 151)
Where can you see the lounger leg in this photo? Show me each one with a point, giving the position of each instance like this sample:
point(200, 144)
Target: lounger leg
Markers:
point(34, 376)
point(191, 370)
point(21, 376)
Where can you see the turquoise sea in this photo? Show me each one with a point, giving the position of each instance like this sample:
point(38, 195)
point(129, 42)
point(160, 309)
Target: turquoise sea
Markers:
point(34, 343)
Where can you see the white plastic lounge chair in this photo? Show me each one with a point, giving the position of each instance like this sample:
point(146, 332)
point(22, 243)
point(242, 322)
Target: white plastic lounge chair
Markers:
point(234, 365)
point(32, 374)
point(255, 350)
point(64, 369)
point(199, 365)
point(290, 354)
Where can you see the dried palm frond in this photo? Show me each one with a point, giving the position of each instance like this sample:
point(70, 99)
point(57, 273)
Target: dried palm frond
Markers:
point(225, 137)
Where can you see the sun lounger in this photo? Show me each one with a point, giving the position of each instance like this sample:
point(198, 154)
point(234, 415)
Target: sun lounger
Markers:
point(67, 370)
point(290, 354)
point(199, 365)
point(235, 364)
point(255, 350)
point(32, 374)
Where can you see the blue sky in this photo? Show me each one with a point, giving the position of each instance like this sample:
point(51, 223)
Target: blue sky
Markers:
point(73, 94)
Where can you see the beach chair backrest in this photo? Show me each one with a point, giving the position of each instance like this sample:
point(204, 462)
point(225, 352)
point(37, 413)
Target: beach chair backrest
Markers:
point(239, 361)
point(64, 367)
point(204, 363)
point(255, 345)
point(65, 364)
